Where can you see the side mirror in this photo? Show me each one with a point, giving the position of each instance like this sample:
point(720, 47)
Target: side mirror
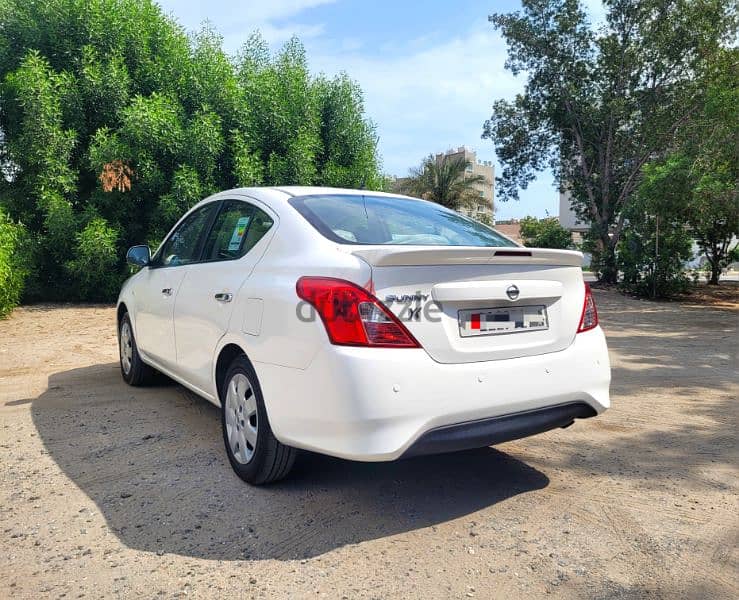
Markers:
point(138, 256)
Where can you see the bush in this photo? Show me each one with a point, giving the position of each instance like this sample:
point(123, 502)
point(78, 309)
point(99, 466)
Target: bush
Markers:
point(545, 233)
point(114, 122)
point(656, 243)
point(12, 271)
point(652, 273)
point(94, 266)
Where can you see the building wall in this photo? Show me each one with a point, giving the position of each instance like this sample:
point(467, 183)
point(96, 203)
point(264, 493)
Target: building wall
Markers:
point(511, 229)
point(567, 217)
point(486, 189)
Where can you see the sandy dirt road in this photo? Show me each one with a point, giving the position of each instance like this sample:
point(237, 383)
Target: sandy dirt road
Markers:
point(110, 491)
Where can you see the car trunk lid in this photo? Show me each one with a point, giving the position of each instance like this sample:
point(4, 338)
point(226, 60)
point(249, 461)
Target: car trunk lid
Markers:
point(468, 304)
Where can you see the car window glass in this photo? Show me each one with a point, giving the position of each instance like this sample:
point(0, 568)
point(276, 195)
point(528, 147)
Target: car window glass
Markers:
point(237, 228)
point(396, 221)
point(261, 222)
point(183, 246)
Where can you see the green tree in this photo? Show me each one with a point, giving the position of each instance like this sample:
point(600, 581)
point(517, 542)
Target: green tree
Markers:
point(348, 156)
point(444, 180)
point(710, 147)
point(283, 119)
point(113, 122)
point(95, 253)
point(12, 268)
point(656, 242)
point(698, 178)
point(545, 233)
point(599, 103)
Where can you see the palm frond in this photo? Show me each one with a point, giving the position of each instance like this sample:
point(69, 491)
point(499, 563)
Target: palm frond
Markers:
point(445, 180)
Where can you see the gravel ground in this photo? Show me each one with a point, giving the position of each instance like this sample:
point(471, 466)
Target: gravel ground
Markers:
point(110, 491)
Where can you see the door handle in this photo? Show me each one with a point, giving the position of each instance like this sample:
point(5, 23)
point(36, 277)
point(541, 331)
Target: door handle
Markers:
point(224, 297)
point(167, 291)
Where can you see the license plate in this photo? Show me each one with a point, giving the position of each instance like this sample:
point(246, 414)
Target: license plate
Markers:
point(497, 321)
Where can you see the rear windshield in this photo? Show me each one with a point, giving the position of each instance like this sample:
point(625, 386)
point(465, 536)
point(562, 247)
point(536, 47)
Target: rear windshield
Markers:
point(396, 221)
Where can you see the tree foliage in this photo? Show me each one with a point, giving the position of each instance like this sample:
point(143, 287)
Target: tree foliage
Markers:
point(12, 268)
point(545, 233)
point(656, 241)
point(445, 180)
point(113, 122)
point(599, 103)
point(691, 192)
point(708, 151)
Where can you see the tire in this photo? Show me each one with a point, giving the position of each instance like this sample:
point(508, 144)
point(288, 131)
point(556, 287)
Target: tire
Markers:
point(253, 451)
point(134, 371)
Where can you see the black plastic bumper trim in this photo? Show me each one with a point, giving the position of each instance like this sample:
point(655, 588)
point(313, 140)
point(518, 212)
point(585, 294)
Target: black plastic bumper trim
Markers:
point(495, 430)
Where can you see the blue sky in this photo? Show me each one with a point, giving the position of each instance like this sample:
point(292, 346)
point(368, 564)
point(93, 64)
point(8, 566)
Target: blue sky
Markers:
point(430, 70)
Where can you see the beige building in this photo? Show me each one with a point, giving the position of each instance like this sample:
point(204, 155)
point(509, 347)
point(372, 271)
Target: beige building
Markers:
point(486, 210)
point(568, 218)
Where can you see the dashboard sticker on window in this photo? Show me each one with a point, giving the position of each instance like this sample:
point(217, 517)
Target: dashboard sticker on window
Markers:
point(238, 234)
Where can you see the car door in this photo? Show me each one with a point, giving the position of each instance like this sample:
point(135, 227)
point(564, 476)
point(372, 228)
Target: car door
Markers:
point(160, 282)
point(237, 240)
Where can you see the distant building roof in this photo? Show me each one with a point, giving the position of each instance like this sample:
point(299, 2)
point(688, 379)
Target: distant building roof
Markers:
point(512, 230)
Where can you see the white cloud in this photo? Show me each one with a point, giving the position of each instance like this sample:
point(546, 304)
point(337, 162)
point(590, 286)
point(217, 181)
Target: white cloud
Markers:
point(428, 97)
point(271, 10)
point(426, 94)
point(274, 35)
point(439, 94)
point(236, 20)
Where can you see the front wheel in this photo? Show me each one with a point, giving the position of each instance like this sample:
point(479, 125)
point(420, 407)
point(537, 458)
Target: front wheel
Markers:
point(135, 372)
point(253, 451)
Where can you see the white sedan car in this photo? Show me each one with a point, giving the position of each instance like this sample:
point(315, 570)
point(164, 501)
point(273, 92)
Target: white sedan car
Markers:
point(361, 325)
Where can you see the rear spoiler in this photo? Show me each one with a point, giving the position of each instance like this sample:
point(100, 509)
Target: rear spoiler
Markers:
point(386, 256)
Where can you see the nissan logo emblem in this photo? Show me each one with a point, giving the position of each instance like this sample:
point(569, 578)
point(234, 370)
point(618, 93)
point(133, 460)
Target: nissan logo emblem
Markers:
point(512, 292)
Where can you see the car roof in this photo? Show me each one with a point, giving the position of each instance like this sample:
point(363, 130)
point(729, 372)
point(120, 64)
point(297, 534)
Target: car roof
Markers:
point(306, 190)
point(289, 191)
point(276, 195)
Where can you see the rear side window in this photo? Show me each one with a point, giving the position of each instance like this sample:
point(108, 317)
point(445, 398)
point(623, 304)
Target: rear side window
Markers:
point(393, 221)
point(237, 228)
point(183, 246)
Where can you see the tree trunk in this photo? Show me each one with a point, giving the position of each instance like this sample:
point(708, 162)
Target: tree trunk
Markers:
point(715, 273)
point(713, 254)
point(609, 273)
point(607, 259)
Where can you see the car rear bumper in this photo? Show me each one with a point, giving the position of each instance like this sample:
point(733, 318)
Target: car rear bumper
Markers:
point(377, 404)
point(495, 430)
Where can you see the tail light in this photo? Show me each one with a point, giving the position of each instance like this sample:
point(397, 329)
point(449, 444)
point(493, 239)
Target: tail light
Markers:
point(352, 315)
point(589, 318)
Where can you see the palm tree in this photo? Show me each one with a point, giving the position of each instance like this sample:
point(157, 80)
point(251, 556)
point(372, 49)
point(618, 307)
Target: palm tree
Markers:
point(444, 180)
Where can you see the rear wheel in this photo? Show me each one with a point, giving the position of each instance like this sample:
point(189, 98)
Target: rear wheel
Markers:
point(253, 451)
point(134, 370)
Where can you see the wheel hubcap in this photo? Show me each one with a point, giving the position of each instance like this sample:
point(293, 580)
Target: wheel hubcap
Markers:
point(241, 418)
point(126, 347)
